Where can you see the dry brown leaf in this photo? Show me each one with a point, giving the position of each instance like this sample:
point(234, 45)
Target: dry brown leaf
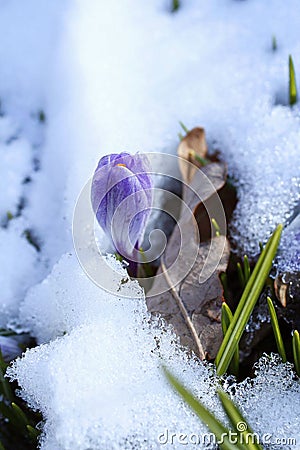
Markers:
point(205, 183)
point(281, 290)
point(194, 143)
point(228, 197)
point(201, 301)
point(187, 291)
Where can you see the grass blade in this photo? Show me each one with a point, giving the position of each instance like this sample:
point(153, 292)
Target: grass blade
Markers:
point(19, 415)
point(216, 226)
point(215, 426)
point(245, 434)
point(240, 275)
point(33, 432)
point(175, 5)
point(247, 272)
point(145, 266)
point(296, 351)
point(223, 278)
point(247, 302)
point(200, 160)
point(185, 129)
point(4, 383)
point(226, 319)
point(7, 412)
point(292, 82)
point(276, 330)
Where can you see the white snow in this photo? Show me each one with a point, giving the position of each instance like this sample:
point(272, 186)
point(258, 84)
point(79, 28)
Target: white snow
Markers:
point(16, 273)
point(67, 299)
point(101, 384)
point(16, 164)
point(118, 76)
point(266, 402)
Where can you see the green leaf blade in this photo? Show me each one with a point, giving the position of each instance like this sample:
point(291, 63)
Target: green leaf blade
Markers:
point(5, 388)
point(296, 351)
point(19, 415)
point(175, 5)
point(226, 319)
point(276, 330)
point(220, 431)
point(33, 432)
point(247, 302)
point(292, 83)
point(247, 271)
point(240, 275)
point(185, 129)
point(245, 433)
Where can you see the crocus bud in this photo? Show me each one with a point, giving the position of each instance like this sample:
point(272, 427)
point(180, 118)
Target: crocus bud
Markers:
point(121, 197)
point(9, 348)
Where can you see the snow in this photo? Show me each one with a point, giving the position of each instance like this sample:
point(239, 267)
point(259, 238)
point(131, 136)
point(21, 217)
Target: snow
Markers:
point(259, 400)
point(118, 76)
point(105, 79)
point(16, 164)
point(16, 274)
point(110, 356)
point(122, 399)
point(67, 299)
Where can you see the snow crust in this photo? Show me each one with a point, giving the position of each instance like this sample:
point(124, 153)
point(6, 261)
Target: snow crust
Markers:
point(100, 385)
point(266, 402)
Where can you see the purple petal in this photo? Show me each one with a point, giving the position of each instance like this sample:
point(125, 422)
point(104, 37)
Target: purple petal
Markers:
point(9, 348)
point(122, 197)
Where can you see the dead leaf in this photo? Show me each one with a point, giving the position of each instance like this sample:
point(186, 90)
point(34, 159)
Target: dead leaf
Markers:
point(204, 196)
point(228, 197)
point(205, 183)
point(185, 234)
point(281, 290)
point(199, 302)
point(287, 290)
point(193, 145)
point(187, 291)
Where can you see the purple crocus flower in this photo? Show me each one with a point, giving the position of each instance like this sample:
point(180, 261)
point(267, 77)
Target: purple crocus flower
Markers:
point(121, 197)
point(9, 348)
